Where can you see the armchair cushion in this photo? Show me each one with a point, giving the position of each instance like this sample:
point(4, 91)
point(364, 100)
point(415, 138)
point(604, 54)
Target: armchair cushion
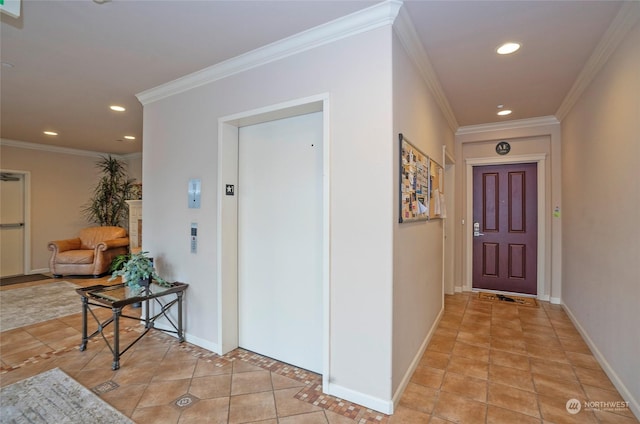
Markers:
point(89, 253)
point(75, 257)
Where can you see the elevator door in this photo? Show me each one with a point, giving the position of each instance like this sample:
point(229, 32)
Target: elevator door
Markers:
point(280, 240)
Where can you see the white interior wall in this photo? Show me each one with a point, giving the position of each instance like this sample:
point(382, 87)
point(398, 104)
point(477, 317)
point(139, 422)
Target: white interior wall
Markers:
point(134, 166)
point(601, 243)
point(417, 246)
point(180, 142)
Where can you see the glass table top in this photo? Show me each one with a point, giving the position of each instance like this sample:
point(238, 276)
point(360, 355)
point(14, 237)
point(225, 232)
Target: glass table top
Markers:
point(122, 292)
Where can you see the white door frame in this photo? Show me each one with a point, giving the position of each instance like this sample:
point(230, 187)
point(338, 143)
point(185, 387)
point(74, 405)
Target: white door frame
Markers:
point(540, 159)
point(448, 237)
point(227, 216)
point(27, 218)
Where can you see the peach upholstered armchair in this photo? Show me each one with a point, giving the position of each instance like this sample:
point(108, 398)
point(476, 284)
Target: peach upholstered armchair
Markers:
point(90, 253)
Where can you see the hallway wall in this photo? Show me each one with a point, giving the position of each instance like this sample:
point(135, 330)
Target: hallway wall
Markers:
point(601, 231)
point(180, 142)
point(417, 246)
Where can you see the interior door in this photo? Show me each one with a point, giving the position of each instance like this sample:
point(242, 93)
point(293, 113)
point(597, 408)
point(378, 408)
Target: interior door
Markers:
point(280, 240)
point(11, 224)
point(505, 228)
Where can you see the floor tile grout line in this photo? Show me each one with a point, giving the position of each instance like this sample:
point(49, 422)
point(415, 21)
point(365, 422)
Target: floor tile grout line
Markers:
point(246, 357)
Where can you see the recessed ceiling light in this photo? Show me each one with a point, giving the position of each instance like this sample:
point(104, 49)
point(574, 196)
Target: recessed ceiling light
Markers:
point(504, 112)
point(508, 48)
point(50, 132)
point(129, 137)
point(7, 65)
point(117, 108)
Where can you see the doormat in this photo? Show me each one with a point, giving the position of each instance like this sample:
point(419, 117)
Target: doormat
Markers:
point(516, 300)
point(7, 281)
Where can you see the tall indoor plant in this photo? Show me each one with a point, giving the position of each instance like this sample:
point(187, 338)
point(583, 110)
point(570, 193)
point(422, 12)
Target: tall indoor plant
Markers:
point(108, 204)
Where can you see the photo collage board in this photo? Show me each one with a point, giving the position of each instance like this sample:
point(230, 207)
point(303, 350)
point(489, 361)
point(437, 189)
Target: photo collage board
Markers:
point(420, 179)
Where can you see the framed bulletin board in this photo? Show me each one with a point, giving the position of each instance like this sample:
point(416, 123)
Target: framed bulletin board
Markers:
point(436, 190)
point(414, 183)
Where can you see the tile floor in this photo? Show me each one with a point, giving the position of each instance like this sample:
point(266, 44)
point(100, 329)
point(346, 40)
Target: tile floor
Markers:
point(486, 363)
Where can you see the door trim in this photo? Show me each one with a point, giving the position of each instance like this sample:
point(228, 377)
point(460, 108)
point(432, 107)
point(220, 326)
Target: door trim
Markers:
point(227, 217)
point(540, 159)
point(26, 266)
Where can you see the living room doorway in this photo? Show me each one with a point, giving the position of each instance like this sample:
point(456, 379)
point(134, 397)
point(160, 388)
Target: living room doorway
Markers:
point(12, 223)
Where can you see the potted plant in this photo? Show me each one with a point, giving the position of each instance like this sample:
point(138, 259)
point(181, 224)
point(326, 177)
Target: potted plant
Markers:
point(108, 205)
point(136, 270)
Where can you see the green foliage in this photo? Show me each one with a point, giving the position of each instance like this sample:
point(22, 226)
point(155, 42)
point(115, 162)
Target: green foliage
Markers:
point(135, 267)
point(108, 205)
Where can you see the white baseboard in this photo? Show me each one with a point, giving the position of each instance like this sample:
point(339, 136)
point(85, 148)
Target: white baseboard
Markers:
point(416, 360)
point(380, 405)
point(555, 300)
point(634, 404)
point(205, 344)
point(39, 271)
point(457, 289)
point(371, 402)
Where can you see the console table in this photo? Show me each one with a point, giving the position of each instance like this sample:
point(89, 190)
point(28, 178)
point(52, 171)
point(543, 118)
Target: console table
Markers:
point(116, 297)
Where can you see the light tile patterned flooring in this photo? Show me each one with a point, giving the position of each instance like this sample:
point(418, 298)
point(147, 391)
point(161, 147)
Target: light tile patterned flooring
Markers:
point(486, 363)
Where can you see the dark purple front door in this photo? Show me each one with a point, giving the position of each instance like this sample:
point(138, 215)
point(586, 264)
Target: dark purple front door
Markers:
point(505, 225)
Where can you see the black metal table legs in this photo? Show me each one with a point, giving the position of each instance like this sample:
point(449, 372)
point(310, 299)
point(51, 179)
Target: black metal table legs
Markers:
point(85, 339)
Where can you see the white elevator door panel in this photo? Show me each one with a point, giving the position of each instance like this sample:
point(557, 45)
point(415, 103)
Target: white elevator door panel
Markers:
point(280, 240)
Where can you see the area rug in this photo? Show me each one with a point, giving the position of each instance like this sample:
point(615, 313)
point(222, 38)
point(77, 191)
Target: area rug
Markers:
point(516, 300)
point(54, 397)
point(31, 305)
point(7, 281)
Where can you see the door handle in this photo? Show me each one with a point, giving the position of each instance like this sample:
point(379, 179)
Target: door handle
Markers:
point(17, 225)
point(476, 229)
point(477, 234)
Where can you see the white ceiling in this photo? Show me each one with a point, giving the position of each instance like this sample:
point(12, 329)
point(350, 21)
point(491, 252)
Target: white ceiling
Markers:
point(72, 59)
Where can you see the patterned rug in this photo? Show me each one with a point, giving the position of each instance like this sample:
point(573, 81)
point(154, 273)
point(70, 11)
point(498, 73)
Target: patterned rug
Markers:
point(31, 305)
point(516, 300)
point(54, 397)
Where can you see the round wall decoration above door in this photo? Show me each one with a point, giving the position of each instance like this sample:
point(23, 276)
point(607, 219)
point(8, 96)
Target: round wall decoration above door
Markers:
point(503, 148)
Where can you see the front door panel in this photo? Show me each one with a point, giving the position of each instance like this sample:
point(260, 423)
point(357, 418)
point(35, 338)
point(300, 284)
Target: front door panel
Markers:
point(505, 226)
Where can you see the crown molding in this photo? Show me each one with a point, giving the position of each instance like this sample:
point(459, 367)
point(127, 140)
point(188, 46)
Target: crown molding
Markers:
point(57, 149)
point(626, 18)
point(410, 40)
point(508, 125)
point(373, 17)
